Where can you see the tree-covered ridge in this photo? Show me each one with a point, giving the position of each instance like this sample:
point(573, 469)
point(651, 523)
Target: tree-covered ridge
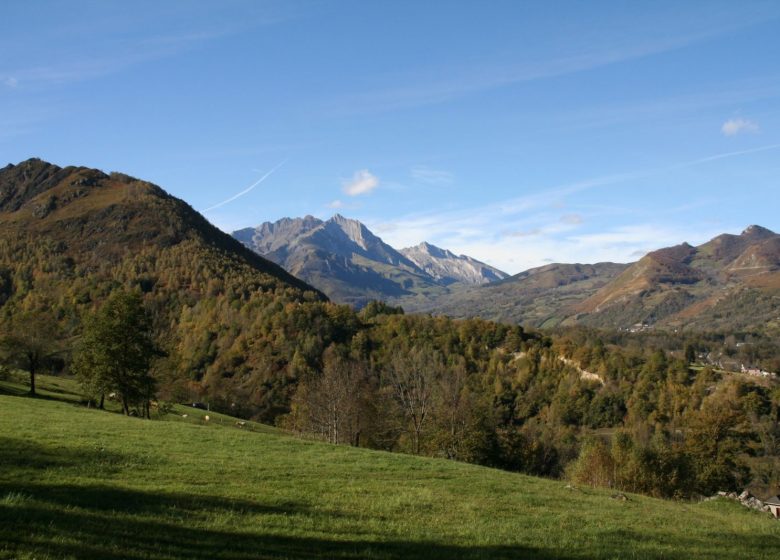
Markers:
point(243, 339)
point(102, 233)
point(101, 218)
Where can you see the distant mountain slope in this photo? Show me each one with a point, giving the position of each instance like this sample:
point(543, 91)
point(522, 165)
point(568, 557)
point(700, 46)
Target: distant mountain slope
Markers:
point(729, 282)
point(344, 259)
point(98, 216)
point(539, 296)
point(732, 281)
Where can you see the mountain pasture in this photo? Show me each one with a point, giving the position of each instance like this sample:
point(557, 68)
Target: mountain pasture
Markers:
point(81, 483)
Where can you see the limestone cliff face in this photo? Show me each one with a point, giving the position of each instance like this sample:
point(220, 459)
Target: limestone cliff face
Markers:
point(352, 265)
point(449, 268)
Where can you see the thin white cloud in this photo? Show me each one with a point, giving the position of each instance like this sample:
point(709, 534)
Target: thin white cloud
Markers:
point(362, 182)
point(11, 81)
point(109, 60)
point(520, 233)
point(671, 108)
point(738, 125)
point(335, 204)
point(431, 176)
point(246, 190)
point(625, 243)
point(726, 155)
point(572, 219)
point(524, 233)
point(438, 85)
point(108, 52)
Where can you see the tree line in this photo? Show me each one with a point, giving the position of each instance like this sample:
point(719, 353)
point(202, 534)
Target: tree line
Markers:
point(215, 330)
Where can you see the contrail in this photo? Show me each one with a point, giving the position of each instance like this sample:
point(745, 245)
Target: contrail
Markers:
point(249, 188)
point(726, 155)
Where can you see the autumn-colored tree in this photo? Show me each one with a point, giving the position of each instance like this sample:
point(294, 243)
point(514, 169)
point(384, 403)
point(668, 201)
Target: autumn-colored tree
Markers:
point(413, 373)
point(334, 403)
point(31, 344)
point(717, 437)
point(595, 465)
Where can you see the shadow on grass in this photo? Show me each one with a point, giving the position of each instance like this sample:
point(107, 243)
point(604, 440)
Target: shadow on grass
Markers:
point(100, 521)
point(72, 520)
point(13, 389)
point(105, 523)
point(20, 455)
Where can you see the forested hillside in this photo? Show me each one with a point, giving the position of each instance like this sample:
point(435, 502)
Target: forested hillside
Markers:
point(229, 320)
point(238, 333)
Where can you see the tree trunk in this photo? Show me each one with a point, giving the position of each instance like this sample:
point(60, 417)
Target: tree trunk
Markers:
point(102, 401)
point(125, 406)
point(32, 381)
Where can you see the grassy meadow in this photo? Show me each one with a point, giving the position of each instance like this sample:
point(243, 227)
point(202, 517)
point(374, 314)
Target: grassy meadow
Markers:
point(79, 483)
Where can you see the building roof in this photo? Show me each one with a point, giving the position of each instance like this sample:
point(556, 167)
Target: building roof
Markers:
point(774, 500)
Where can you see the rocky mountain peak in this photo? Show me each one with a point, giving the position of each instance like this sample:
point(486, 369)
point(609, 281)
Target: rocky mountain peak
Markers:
point(449, 268)
point(757, 232)
point(355, 231)
point(431, 250)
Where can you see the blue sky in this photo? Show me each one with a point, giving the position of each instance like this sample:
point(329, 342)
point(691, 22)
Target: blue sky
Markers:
point(519, 133)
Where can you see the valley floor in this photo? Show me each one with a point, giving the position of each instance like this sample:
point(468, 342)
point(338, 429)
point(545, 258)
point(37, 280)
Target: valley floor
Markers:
point(78, 483)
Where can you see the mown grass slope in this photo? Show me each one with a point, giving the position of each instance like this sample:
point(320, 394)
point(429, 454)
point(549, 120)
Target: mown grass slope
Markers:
point(79, 483)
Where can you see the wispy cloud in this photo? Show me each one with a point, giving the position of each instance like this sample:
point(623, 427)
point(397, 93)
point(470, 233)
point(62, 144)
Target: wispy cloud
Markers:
point(738, 125)
point(725, 155)
point(431, 176)
point(670, 109)
point(572, 219)
point(362, 182)
point(620, 243)
point(108, 60)
point(522, 232)
point(335, 204)
point(112, 40)
point(246, 190)
point(525, 233)
point(437, 85)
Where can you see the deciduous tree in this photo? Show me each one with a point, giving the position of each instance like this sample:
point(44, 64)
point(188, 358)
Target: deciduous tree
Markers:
point(31, 344)
point(116, 352)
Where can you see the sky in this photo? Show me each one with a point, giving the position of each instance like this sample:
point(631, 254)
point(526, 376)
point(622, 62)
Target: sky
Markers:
point(520, 133)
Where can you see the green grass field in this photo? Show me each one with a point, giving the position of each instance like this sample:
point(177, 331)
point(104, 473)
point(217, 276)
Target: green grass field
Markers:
point(79, 483)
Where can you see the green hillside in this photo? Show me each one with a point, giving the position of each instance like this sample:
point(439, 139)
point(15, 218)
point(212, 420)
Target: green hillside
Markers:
point(79, 483)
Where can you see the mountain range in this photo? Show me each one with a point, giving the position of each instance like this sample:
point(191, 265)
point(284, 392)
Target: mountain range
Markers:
point(350, 264)
point(69, 235)
point(732, 281)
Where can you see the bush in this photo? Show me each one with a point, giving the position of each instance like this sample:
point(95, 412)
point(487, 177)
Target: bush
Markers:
point(595, 465)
